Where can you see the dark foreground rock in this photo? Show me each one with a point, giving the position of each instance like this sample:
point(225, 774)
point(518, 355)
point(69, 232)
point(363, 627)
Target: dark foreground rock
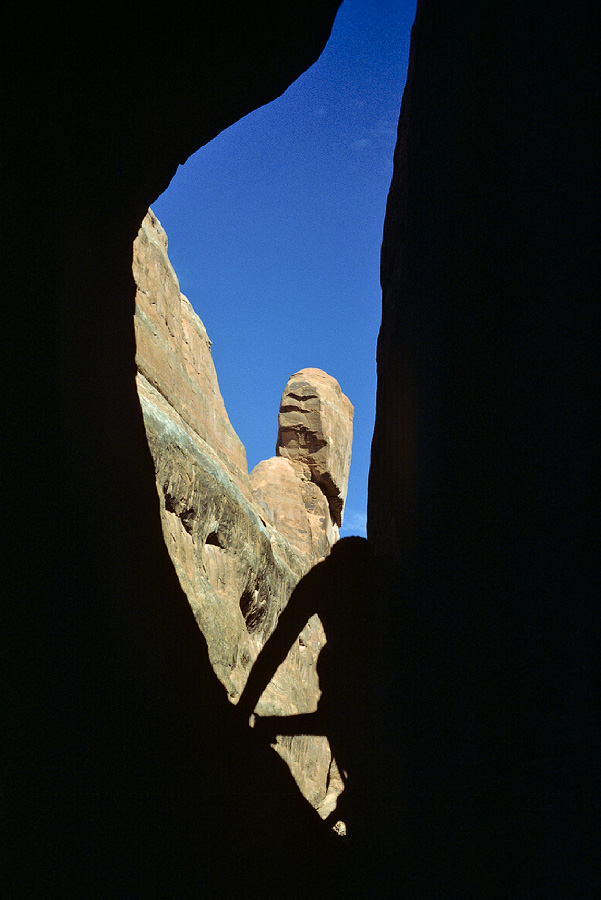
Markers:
point(124, 770)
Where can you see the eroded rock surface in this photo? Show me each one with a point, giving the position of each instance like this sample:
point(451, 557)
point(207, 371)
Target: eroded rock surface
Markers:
point(240, 543)
point(315, 434)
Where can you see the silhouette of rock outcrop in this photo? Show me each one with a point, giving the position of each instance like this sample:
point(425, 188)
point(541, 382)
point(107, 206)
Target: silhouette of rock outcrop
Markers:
point(479, 503)
point(124, 771)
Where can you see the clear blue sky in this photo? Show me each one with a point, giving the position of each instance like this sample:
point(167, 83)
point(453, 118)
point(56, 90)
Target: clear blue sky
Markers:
point(275, 229)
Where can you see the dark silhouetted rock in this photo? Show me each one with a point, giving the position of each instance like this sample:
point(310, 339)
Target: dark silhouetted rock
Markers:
point(479, 502)
point(125, 772)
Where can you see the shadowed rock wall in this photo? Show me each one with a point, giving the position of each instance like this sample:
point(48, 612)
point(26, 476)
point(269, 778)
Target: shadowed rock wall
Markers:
point(124, 771)
point(479, 490)
point(126, 774)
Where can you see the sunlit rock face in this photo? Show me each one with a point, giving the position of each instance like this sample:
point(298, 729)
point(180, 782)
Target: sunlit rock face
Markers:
point(293, 505)
point(315, 434)
point(240, 543)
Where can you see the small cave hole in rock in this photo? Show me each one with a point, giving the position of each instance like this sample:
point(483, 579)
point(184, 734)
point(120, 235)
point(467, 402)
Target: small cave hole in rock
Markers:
point(214, 539)
point(187, 519)
point(171, 503)
point(253, 611)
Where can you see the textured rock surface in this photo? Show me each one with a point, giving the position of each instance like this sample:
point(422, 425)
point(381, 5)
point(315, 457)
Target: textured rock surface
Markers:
point(239, 544)
point(315, 433)
point(294, 506)
point(173, 351)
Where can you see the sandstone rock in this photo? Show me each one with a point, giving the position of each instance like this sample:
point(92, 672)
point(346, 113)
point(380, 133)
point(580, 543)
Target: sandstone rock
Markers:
point(315, 432)
point(495, 770)
point(240, 543)
point(173, 352)
point(296, 507)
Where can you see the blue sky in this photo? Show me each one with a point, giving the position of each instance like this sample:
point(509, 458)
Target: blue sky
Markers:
point(275, 229)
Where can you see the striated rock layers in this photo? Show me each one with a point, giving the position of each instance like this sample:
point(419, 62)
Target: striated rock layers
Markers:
point(239, 542)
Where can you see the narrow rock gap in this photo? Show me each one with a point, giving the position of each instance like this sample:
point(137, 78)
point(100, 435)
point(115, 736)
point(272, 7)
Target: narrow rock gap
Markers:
point(275, 229)
point(284, 212)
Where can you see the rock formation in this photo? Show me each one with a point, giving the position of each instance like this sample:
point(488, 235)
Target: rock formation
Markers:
point(313, 427)
point(478, 487)
point(240, 543)
point(125, 773)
